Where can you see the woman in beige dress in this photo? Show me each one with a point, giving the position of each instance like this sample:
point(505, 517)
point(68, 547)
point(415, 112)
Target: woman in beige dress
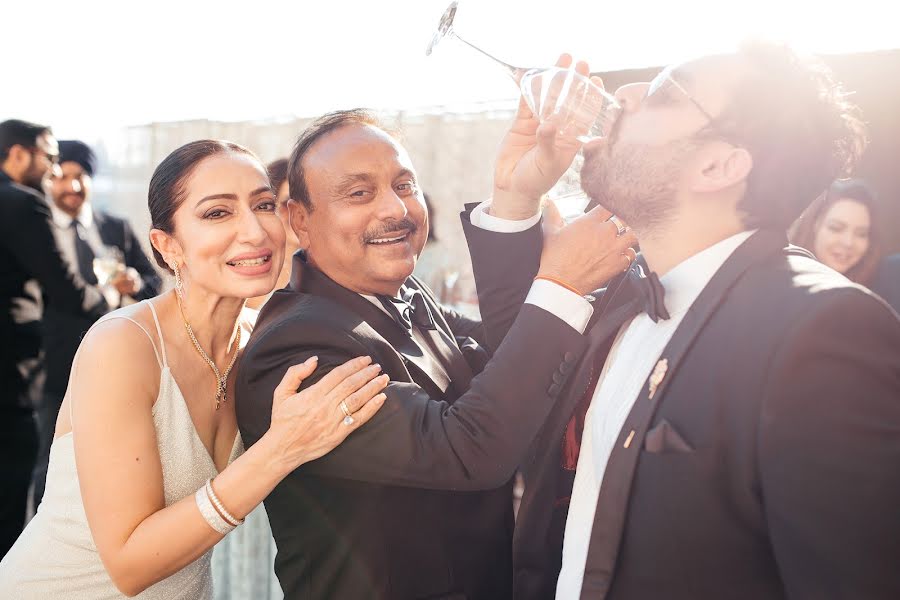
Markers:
point(147, 472)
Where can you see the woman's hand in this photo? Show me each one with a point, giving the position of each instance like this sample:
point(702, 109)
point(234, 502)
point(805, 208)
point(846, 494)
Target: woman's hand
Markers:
point(309, 424)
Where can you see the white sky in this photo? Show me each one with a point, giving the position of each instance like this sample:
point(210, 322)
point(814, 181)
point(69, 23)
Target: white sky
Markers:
point(88, 67)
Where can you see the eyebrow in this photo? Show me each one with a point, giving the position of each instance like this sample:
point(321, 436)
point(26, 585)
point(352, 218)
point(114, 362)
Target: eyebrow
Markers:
point(351, 179)
point(232, 197)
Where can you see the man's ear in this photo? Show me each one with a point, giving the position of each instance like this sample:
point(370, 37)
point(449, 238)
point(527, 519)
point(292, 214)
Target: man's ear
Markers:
point(18, 160)
point(298, 217)
point(167, 246)
point(721, 167)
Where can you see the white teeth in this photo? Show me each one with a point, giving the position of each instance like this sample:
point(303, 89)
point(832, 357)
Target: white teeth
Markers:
point(250, 262)
point(387, 240)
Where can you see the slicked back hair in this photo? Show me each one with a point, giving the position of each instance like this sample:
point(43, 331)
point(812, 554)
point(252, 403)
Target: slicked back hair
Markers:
point(319, 128)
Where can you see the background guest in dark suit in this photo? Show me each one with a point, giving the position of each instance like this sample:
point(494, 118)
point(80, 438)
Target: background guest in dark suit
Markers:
point(733, 430)
point(417, 504)
point(841, 229)
point(31, 270)
point(83, 233)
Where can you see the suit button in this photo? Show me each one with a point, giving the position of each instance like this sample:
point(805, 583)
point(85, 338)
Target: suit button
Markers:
point(558, 377)
point(569, 357)
point(553, 390)
point(565, 367)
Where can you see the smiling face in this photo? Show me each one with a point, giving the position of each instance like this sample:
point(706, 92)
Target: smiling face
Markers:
point(367, 223)
point(70, 188)
point(842, 236)
point(228, 238)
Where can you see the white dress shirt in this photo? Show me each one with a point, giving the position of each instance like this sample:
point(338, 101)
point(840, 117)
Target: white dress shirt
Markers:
point(555, 299)
point(65, 240)
point(633, 355)
point(65, 233)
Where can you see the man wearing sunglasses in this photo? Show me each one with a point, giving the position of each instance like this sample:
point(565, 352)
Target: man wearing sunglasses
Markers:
point(733, 430)
point(31, 269)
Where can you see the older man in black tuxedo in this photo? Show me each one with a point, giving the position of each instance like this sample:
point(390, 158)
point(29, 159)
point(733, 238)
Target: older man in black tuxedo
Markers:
point(418, 503)
point(733, 430)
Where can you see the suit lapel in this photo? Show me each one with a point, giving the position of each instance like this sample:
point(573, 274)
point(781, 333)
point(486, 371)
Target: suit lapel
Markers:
point(443, 342)
point(317, 283)
point(108, 234)
point(615, 489)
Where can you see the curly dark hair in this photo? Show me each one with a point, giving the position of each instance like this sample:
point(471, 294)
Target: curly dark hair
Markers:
point(798, 125)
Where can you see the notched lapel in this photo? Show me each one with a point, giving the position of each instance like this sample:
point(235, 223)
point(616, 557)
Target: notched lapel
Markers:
point(615, 489)
point(317, 283)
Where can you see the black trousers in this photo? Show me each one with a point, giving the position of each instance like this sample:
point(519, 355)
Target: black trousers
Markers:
point(18, 449)
point(45, 415)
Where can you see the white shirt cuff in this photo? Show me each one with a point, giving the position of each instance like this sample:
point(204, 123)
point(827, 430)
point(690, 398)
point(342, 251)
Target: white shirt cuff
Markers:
point(563, 303)
point(481, 219)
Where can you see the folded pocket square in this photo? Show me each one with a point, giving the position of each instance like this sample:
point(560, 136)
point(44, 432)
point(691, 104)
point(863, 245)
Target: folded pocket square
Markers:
point(664, 438)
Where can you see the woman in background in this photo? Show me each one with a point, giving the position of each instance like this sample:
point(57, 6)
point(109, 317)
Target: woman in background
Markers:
point(839, 228)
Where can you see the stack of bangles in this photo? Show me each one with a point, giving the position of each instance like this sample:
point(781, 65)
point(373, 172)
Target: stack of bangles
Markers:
point(214, 511)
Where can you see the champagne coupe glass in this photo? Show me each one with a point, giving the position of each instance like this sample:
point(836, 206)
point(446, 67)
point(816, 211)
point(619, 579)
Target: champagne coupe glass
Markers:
point(108, 264)
point(583, 109)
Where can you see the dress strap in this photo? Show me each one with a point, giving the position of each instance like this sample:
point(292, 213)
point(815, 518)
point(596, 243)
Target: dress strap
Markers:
point(162, 343)
point(160, 361)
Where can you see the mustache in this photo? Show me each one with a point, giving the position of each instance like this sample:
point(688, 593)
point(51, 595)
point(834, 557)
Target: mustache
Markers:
point(404, 224)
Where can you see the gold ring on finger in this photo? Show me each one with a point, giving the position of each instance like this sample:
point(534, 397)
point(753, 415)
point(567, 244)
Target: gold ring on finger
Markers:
point(348, 416)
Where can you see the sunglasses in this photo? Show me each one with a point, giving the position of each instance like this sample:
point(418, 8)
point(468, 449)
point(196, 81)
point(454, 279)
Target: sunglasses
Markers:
point(666, 78)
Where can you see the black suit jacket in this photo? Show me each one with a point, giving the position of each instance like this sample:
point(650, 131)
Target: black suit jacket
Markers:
point(63, 331)
point(417, 503)
point(31, 265)
point(767, 463)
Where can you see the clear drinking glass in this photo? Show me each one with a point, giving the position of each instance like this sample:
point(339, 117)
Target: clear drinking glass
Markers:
point(584, 110)
point(108, 264)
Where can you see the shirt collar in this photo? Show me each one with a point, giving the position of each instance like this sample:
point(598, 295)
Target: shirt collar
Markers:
point(685, 282)
point(374, 300)
point(62, 220)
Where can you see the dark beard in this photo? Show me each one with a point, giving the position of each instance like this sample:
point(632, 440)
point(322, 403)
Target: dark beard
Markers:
point(35, 182)
point(636, 182)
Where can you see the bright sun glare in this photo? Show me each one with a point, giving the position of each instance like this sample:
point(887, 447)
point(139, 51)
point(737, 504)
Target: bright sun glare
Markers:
point(100, 66)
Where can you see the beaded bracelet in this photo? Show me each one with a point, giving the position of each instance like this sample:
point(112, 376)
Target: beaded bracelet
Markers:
point(558, 282)
point(210, 515)
point(231, 519)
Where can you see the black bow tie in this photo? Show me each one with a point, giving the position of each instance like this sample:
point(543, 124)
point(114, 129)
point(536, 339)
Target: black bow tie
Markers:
point(409, 309)
point(649, 290)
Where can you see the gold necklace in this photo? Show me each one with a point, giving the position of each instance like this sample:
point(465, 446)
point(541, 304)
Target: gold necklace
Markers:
point(221, 380)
